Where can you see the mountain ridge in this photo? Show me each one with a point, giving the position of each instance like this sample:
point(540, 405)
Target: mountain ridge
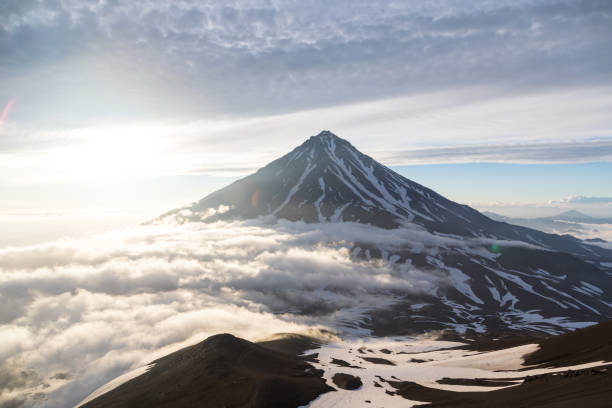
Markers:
point(220, 371)
point(573, 225)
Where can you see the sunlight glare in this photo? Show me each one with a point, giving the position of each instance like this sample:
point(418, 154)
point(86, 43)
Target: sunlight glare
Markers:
point(113, 155)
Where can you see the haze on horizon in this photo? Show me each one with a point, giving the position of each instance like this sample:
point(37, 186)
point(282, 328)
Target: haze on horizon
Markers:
point(115, 111)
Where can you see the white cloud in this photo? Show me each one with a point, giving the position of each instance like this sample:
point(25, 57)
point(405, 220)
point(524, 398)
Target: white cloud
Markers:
point(154, 59)
point(96, 306)
point(569, 126)
point(584, 200)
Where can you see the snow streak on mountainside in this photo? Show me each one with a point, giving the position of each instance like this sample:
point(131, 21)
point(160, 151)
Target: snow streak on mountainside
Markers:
point(493, 275)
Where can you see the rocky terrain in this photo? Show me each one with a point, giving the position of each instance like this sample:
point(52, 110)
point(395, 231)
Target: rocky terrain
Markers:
point(221, 371)
point(555, 371)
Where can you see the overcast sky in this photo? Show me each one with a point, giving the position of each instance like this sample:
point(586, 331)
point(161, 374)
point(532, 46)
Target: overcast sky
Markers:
point(97, 92)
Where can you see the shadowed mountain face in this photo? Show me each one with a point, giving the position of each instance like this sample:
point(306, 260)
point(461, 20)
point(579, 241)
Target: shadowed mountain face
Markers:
point(572, 222)
point(494, 276)
point(577, 216)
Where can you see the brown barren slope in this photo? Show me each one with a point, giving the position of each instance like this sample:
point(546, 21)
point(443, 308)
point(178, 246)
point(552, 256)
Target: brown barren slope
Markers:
point(221, 371)
point(593, 343)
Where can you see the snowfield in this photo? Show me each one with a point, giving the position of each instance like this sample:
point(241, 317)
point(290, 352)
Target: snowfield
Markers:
point(441, 359)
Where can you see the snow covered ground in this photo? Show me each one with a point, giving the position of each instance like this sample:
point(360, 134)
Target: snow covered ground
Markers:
point(422, 361)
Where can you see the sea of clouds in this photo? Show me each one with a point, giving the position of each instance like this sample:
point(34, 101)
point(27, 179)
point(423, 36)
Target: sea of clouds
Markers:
point(75, 313)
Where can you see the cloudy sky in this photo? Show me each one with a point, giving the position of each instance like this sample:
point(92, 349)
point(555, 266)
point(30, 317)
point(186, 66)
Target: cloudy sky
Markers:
point(115, 111)
point(125, 109)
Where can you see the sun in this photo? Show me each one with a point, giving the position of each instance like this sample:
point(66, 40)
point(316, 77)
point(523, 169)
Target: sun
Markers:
point(114, 154)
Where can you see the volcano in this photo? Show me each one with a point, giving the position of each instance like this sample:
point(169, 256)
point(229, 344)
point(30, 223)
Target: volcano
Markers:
point(326, 179)
point(494, 276)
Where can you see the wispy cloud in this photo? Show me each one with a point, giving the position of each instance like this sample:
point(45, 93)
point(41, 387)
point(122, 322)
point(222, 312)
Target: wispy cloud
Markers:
point(258, 57)
point(442, 127)
point(174, 88)
point(586, 200)
point(557, 152)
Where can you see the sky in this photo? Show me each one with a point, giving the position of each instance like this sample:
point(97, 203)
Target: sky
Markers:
point(115, 111)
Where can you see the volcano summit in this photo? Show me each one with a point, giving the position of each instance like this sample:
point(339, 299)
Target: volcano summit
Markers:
point(326, 179)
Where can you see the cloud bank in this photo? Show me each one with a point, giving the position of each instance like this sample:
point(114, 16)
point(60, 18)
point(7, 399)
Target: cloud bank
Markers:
point(587, 200)
point(556, 152)
point(76, 313)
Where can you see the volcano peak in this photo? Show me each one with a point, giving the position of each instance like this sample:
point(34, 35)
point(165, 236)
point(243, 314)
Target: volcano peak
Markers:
point(327, 179)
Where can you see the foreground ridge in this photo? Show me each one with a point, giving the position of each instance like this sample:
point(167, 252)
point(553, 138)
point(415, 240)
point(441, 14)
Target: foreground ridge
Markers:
point(223, 370)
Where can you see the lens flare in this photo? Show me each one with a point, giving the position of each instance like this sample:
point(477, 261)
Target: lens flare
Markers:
point(255, 198)
point(6, 111)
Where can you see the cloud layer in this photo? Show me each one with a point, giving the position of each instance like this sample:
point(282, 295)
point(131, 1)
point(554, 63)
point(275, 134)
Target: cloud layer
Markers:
point(76, 313)
point(268, 57)
point(556, 152)
point(587, 200)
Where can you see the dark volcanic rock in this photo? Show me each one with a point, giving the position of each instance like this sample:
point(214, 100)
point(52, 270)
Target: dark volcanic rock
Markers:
point(481, 382)
point(417, 360)
point(327, 179)
point(590, 387)
point(221, 371)
point(377, 360)
point(347, 381)
point(585, 345)
point(342, 363)
point(550, 391)
point(291, 343)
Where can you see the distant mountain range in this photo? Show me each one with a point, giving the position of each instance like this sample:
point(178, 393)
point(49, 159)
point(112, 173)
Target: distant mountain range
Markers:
point(577, 216)
point(494, 275)
point(568, 222)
